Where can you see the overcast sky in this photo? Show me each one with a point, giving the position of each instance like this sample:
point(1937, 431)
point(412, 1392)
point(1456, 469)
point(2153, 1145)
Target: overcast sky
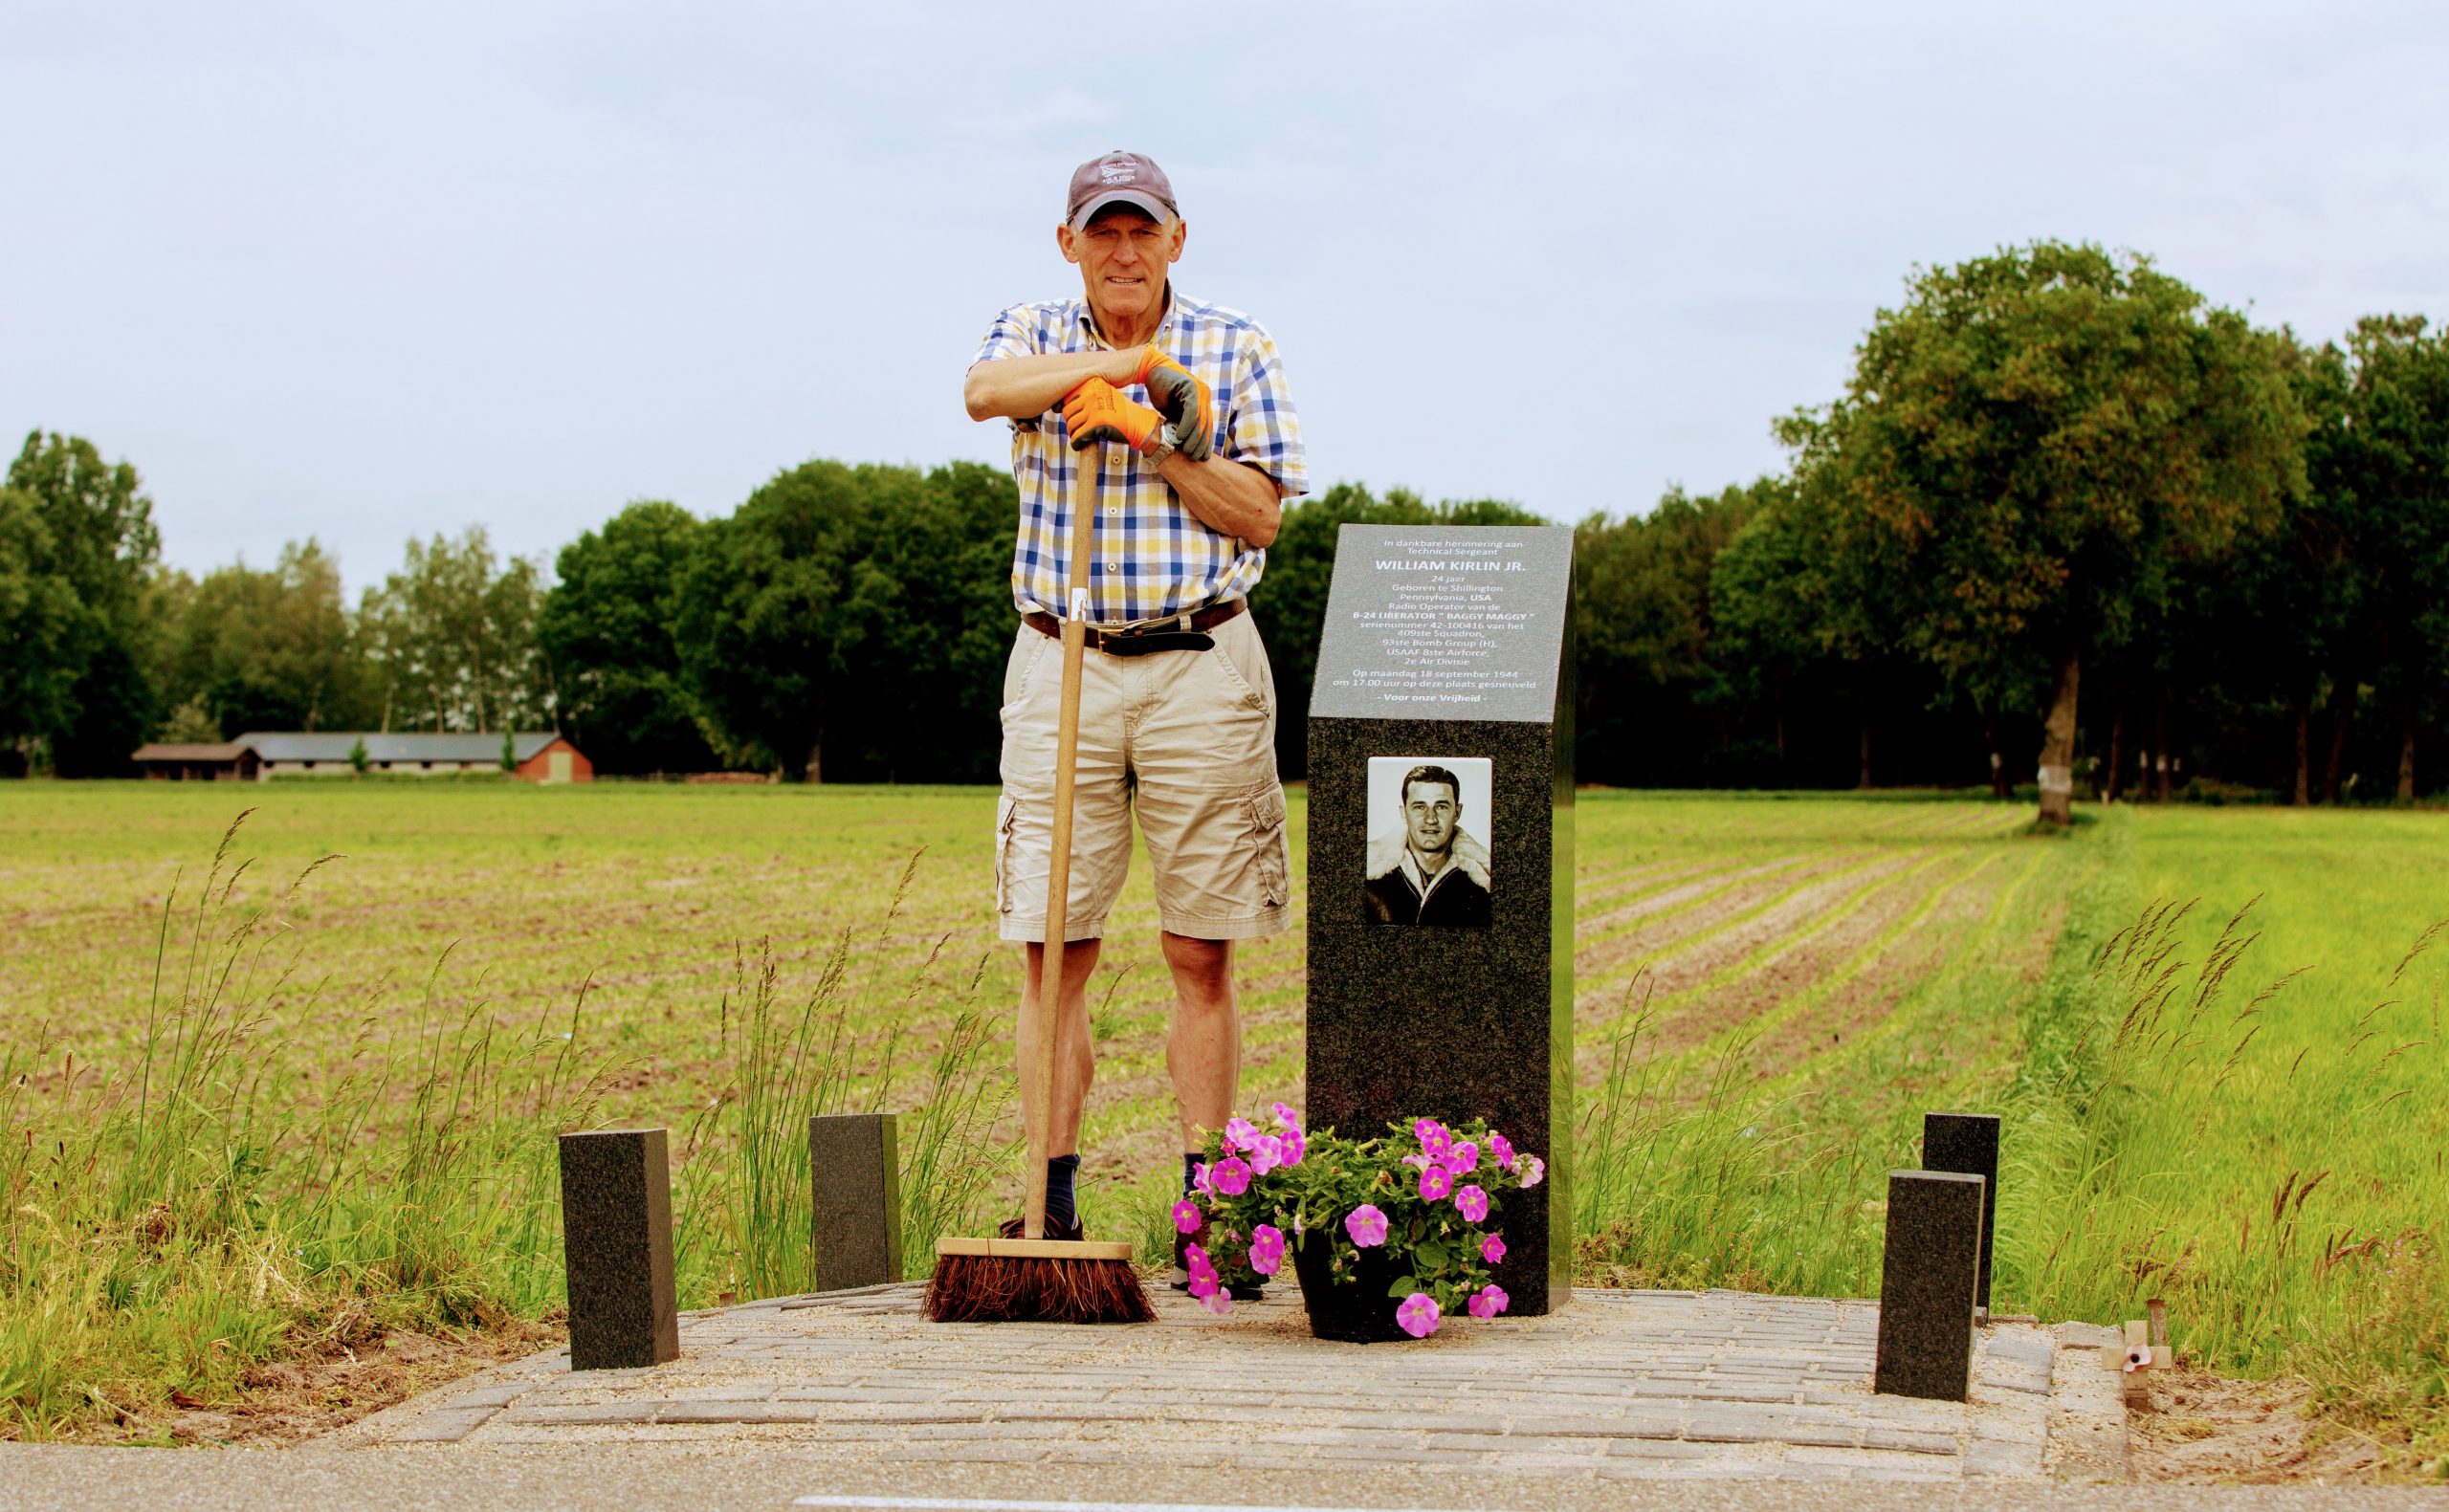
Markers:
point(361, 272)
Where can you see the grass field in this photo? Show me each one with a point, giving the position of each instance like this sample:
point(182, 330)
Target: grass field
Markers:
point(1772, 990)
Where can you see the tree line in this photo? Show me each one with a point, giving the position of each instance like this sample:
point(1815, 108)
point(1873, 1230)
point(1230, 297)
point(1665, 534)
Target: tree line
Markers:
point(2070, 527)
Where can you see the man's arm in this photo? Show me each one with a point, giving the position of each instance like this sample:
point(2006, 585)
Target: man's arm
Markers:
point(1232, 498)
point(1026, 387)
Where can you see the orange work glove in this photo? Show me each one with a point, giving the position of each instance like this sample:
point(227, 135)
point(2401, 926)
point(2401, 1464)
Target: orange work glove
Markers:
point(1096, 412)
point(1182, 397)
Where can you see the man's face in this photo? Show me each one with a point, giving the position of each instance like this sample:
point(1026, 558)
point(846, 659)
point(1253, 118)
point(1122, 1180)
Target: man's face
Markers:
point(1123, 256)
point(1430, 810)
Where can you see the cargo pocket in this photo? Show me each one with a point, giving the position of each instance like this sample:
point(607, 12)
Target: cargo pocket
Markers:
point(1008, 819)
point(1266, 838)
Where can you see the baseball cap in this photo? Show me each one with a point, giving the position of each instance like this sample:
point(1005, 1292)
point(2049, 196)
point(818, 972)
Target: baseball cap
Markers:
point(1119, 177)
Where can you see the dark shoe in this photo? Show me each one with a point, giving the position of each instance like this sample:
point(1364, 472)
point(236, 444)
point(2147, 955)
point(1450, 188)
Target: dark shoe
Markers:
point(1012, 1229)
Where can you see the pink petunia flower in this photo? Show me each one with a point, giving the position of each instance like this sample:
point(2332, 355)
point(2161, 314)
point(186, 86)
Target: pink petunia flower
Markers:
point(1231, 1176)
point(1267, 1152)
point(1237, 1134)
point(1198, 1181)
point(1218, 1303)
point(1435, 1182)
point(1266, 1249)
point(1433, 1137)
point(1366, 1225)
point(1464, 1158)
point(1493, 1248)
point(1285, 1115)
point(1533, 1171)
point(1188, 1219)
point(1490, 1301)
point(1195, 1260)
point(1472, 1203)
point(1503, 1148)
point(1295, 1145)
point(1417, 1315)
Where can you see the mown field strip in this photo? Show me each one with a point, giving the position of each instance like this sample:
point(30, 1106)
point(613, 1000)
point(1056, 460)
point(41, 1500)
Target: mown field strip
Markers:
point(1668, 896)
point(1689, 982)
point(1659, 941)
point(1983, 947)
point(1842, 963)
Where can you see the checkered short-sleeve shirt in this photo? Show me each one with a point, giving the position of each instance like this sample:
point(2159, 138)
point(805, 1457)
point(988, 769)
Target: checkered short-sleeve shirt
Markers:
point(1154, 558)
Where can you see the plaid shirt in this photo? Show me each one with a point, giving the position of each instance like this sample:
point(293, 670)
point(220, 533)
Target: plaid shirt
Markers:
point(1154, 557)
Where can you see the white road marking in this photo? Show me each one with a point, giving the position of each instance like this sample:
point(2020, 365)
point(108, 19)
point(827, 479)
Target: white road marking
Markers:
point(999, 1505)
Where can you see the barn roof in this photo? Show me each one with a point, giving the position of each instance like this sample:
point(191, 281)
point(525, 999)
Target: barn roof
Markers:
point(335, 746)
point(174, 751)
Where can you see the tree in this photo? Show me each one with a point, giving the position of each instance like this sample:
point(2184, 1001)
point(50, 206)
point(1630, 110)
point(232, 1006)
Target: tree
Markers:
point(2384, 473)
point(268, 650)
point(452, 639)
point(605, 628)
point(854, 620)
point(1642, 630)
point(78, 552)
point(2028, 444)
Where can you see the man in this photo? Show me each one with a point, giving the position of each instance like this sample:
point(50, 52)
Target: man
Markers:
point(1432, 880)
point(1177, 703)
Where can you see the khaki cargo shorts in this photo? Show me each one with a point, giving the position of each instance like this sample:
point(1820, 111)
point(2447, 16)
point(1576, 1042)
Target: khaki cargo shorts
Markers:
point(1185, 738)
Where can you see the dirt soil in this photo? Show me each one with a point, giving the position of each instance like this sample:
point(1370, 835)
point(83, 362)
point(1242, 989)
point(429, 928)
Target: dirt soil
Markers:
point(2204, 1429)
point(290, 1401)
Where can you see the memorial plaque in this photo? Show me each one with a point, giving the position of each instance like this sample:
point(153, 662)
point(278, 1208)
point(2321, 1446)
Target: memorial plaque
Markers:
point(1441, 855)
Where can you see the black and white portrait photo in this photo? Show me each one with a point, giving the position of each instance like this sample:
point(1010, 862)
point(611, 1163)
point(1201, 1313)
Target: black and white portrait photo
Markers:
point(1429, 841)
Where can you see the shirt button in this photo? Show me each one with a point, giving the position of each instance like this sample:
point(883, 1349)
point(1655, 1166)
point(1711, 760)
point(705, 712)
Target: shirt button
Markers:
point(1113, 566)
point(1116, 458)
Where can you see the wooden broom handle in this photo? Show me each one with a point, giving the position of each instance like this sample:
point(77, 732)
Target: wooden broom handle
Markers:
point(1085, 468)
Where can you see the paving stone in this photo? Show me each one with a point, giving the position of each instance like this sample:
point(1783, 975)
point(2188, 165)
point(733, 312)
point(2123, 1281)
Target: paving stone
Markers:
point(1909, 1442)
point(489, 1396)
point(1990, 1457)
point(1644, 1389)
point(443, 1426)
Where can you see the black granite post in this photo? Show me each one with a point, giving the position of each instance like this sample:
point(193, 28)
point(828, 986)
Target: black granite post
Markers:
point(854, 1179)
point(1926, 1281)
point(1969, 1143)
point(616, 1245)
point(1451, 642)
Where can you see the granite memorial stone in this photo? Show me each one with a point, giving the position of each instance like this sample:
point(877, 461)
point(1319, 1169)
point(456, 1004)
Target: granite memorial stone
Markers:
point(854, 1180)
point(1441, 855)
point(1969, 1143)
point(616, 1245)
point(1932, 1257)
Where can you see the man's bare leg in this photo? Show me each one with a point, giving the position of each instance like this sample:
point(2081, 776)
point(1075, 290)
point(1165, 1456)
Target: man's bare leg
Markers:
point(1204, 1052)
point(1074, 1061)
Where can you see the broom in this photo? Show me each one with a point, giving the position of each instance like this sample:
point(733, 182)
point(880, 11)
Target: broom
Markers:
point(1034, 1279)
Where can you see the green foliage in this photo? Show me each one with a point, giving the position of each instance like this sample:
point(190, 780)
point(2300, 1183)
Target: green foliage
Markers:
point(450, 639)
point(265, 650)
point(606, 630)
point(77, 548)
point(359, 760)
point(862, 609)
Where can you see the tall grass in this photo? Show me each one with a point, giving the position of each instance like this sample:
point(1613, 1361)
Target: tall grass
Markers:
point(211, 1199)
point(744, 1220)
point(2175, 1124)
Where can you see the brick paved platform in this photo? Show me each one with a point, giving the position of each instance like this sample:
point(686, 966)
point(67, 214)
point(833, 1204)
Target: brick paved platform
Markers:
point(1620, 1385)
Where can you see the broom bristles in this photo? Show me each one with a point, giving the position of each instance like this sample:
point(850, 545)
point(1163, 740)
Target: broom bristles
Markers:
point(1004, 1288)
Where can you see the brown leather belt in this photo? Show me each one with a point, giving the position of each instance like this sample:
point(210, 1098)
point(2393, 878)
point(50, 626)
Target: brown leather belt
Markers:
point(1187, 632)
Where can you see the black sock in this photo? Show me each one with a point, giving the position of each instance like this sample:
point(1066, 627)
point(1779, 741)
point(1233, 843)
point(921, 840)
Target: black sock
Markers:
point(1191, 1159)
point(1061, 1210)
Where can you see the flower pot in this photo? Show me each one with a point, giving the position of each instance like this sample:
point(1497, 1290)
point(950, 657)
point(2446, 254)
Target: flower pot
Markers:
point(1356, 1310)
